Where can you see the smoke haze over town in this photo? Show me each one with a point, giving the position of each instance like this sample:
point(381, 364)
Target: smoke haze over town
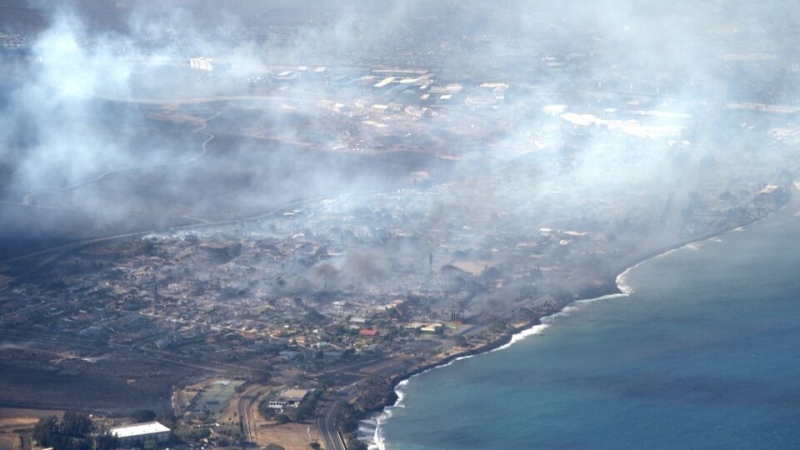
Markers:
point(235, 167)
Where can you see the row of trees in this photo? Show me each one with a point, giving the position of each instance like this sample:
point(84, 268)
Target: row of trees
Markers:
point(75, 431)
point(347, 417)
point(375, 393)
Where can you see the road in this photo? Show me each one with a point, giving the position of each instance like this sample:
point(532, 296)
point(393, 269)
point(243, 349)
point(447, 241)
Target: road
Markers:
point(326, 424)
point(326, 420)
point(352, 373)
point(245, 407)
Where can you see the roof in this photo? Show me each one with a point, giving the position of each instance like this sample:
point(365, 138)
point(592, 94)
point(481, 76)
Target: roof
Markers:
point(294, 395)
point(140, 429)
point(431, 327)
point(368, 333)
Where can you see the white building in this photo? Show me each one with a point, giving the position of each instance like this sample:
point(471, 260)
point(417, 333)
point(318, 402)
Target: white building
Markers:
point(293, 397)
point(206, 64)
point(137, 434)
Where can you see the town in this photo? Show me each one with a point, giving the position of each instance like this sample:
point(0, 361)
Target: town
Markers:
point(322, 227)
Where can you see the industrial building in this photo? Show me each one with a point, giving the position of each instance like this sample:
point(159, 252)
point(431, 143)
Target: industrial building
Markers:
point(140, 433)
point(293, 397)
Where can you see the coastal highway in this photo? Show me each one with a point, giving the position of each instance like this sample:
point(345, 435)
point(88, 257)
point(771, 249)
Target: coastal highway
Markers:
point(326, 424)
point(244, 408)
point(352, 374)
point(326, 420)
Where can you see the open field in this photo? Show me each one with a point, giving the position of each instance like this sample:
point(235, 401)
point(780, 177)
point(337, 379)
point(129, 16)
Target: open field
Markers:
point(41, 379)
point(292, 436)
point(17, 422)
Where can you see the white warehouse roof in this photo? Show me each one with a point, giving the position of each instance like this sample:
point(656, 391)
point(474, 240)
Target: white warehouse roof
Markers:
point(140, 429)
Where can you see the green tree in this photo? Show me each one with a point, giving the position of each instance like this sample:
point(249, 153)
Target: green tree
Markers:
point(348, 354)
point(145, 247)
point(347, 417)
point(76, 424)
point(105, 441)
point(72, 433)
point(45, 431)
point(74, 443)
point(143, 415)
point(355, 444)
point(313, 317)
point(265, 376)
point(265, 410)
point(302, 411)
point(192, 434)
point(167, 418)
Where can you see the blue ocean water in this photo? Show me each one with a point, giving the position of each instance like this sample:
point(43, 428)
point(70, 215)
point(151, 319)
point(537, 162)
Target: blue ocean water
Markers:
point(703, 353)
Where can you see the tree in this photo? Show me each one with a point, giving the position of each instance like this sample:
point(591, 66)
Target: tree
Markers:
point(45, 430)
point(265, 410)
point(167, 418)
point(346, 417)
point(304, 410)
point(313, 317)
point(355, 444)
point(375, 391)
point(71, 434)
point(76, 424)
point(145, 247)
point(105, 441)
point(191, 434)
point(143, 415)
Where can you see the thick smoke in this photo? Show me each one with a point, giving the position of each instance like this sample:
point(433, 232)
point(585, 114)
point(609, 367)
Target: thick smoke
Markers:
point(68, 147)
point(79, 141)
point(605, 119)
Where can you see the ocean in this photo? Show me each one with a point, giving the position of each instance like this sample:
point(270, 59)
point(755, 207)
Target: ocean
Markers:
point(701, 352)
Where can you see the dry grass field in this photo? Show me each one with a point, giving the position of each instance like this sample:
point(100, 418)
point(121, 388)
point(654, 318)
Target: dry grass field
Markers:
point(291, 436)
point(16, 424)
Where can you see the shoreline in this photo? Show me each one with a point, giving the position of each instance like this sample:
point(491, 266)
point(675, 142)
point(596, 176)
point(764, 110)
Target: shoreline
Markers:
point(529, 327)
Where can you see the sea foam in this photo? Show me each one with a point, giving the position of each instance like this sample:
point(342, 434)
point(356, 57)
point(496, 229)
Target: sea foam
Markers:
point(379, 441)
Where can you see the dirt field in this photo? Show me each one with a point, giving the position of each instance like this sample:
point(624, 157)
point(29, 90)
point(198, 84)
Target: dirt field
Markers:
point(33, 378)
point(16, 423)
point(10, 438)
point(291, 436)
